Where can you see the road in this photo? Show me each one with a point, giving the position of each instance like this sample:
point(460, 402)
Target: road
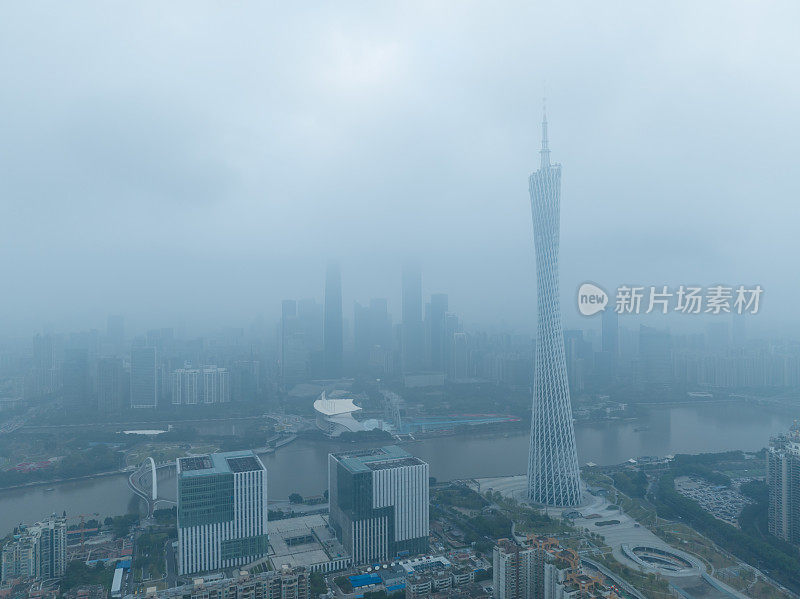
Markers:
point(171, 564)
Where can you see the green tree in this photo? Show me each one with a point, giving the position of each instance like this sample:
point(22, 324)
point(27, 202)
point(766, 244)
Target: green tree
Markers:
point(317, 584)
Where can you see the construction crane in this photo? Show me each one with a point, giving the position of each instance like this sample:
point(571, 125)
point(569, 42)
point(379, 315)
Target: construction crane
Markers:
point(83, 530)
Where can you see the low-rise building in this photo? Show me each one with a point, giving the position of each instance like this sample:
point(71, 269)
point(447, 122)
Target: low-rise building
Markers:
point(306, 541)
point(285, 583)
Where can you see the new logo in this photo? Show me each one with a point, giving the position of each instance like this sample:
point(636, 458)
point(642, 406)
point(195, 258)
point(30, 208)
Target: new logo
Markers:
point(591, 299)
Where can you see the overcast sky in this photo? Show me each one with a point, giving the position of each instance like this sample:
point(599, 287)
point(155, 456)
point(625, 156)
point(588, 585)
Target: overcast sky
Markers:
point(193, 163)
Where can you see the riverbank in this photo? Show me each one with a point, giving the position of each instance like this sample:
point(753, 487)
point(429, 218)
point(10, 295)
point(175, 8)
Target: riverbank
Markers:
point(302, 465)
point(58, 481)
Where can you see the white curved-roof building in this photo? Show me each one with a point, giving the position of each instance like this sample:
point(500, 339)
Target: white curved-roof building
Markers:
point(335, 415)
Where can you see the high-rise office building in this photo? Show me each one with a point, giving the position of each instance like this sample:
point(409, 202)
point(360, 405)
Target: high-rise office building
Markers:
point(380, 323)
point(45, 375)
point(783, 480)
point(553, 474)
point(451, 327)
point(296, 366)
point(311, 317)
point(222, 511)
point(460, 357)
point(246, 380)
point(289, 333)
point(110, 385)
point(609, 340)
point(606, 360)
point(362, 335)
point(37, 552)
point(372, 334)
point(412, 333)
point(76, 384)
point(577, 352)
point(436, 331)
point(332, 332)
point(379, 503)
point(144, 377)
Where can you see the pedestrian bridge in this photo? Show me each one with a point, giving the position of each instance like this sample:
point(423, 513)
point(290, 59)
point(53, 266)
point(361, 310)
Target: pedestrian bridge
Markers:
point(144, 481)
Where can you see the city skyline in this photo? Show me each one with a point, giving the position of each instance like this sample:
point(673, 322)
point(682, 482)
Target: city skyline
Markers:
point(399, 166)
point(275, 322)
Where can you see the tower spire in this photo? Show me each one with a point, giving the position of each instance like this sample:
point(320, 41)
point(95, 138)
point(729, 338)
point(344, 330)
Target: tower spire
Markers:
point(545, 151)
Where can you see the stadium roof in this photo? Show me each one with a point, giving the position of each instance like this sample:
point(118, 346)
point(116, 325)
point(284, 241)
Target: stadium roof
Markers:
point(335, 407)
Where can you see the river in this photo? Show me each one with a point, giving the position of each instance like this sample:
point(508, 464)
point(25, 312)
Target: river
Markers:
point(302, 466)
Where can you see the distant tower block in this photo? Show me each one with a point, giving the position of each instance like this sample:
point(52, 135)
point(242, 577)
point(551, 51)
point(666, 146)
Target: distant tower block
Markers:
point(553, 474)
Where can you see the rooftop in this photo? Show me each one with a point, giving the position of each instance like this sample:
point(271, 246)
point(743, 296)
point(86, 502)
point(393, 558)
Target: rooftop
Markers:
point(335, 406)
point(303, 541)
point(379, 458)
point(219, 463)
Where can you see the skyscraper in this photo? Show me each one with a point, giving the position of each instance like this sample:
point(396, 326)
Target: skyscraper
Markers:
point(38, 551)
point(380, 323)
point(45, 372)
point(783, 480)
point(332, 335)
point(412, 333)
point(362, 335)
point(144, 388)
point(75, 378)
point(577, 352)
point(607, 362)
point(216, 385)
point(222, 511)
point(553, 475)
point(110, 381)
point(517, 572)
point(372, 334)
point(185, 386)
point(437, 339)
point(379, 503)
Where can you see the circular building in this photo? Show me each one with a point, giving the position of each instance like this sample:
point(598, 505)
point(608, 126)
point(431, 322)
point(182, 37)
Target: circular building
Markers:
point(335, 415)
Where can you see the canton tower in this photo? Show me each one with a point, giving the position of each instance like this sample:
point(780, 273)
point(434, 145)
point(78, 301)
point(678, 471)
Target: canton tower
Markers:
point(553, 475)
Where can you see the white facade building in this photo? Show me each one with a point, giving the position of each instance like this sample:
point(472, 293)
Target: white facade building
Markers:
point(379, 503)
point(216, 385)
point(38, 552)
point(208, 385)
point(222, 511)
point(783, 480)
point(185, 386)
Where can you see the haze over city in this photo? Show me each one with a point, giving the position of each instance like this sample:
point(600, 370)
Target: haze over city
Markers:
point(189, 166)
point(399, 300)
